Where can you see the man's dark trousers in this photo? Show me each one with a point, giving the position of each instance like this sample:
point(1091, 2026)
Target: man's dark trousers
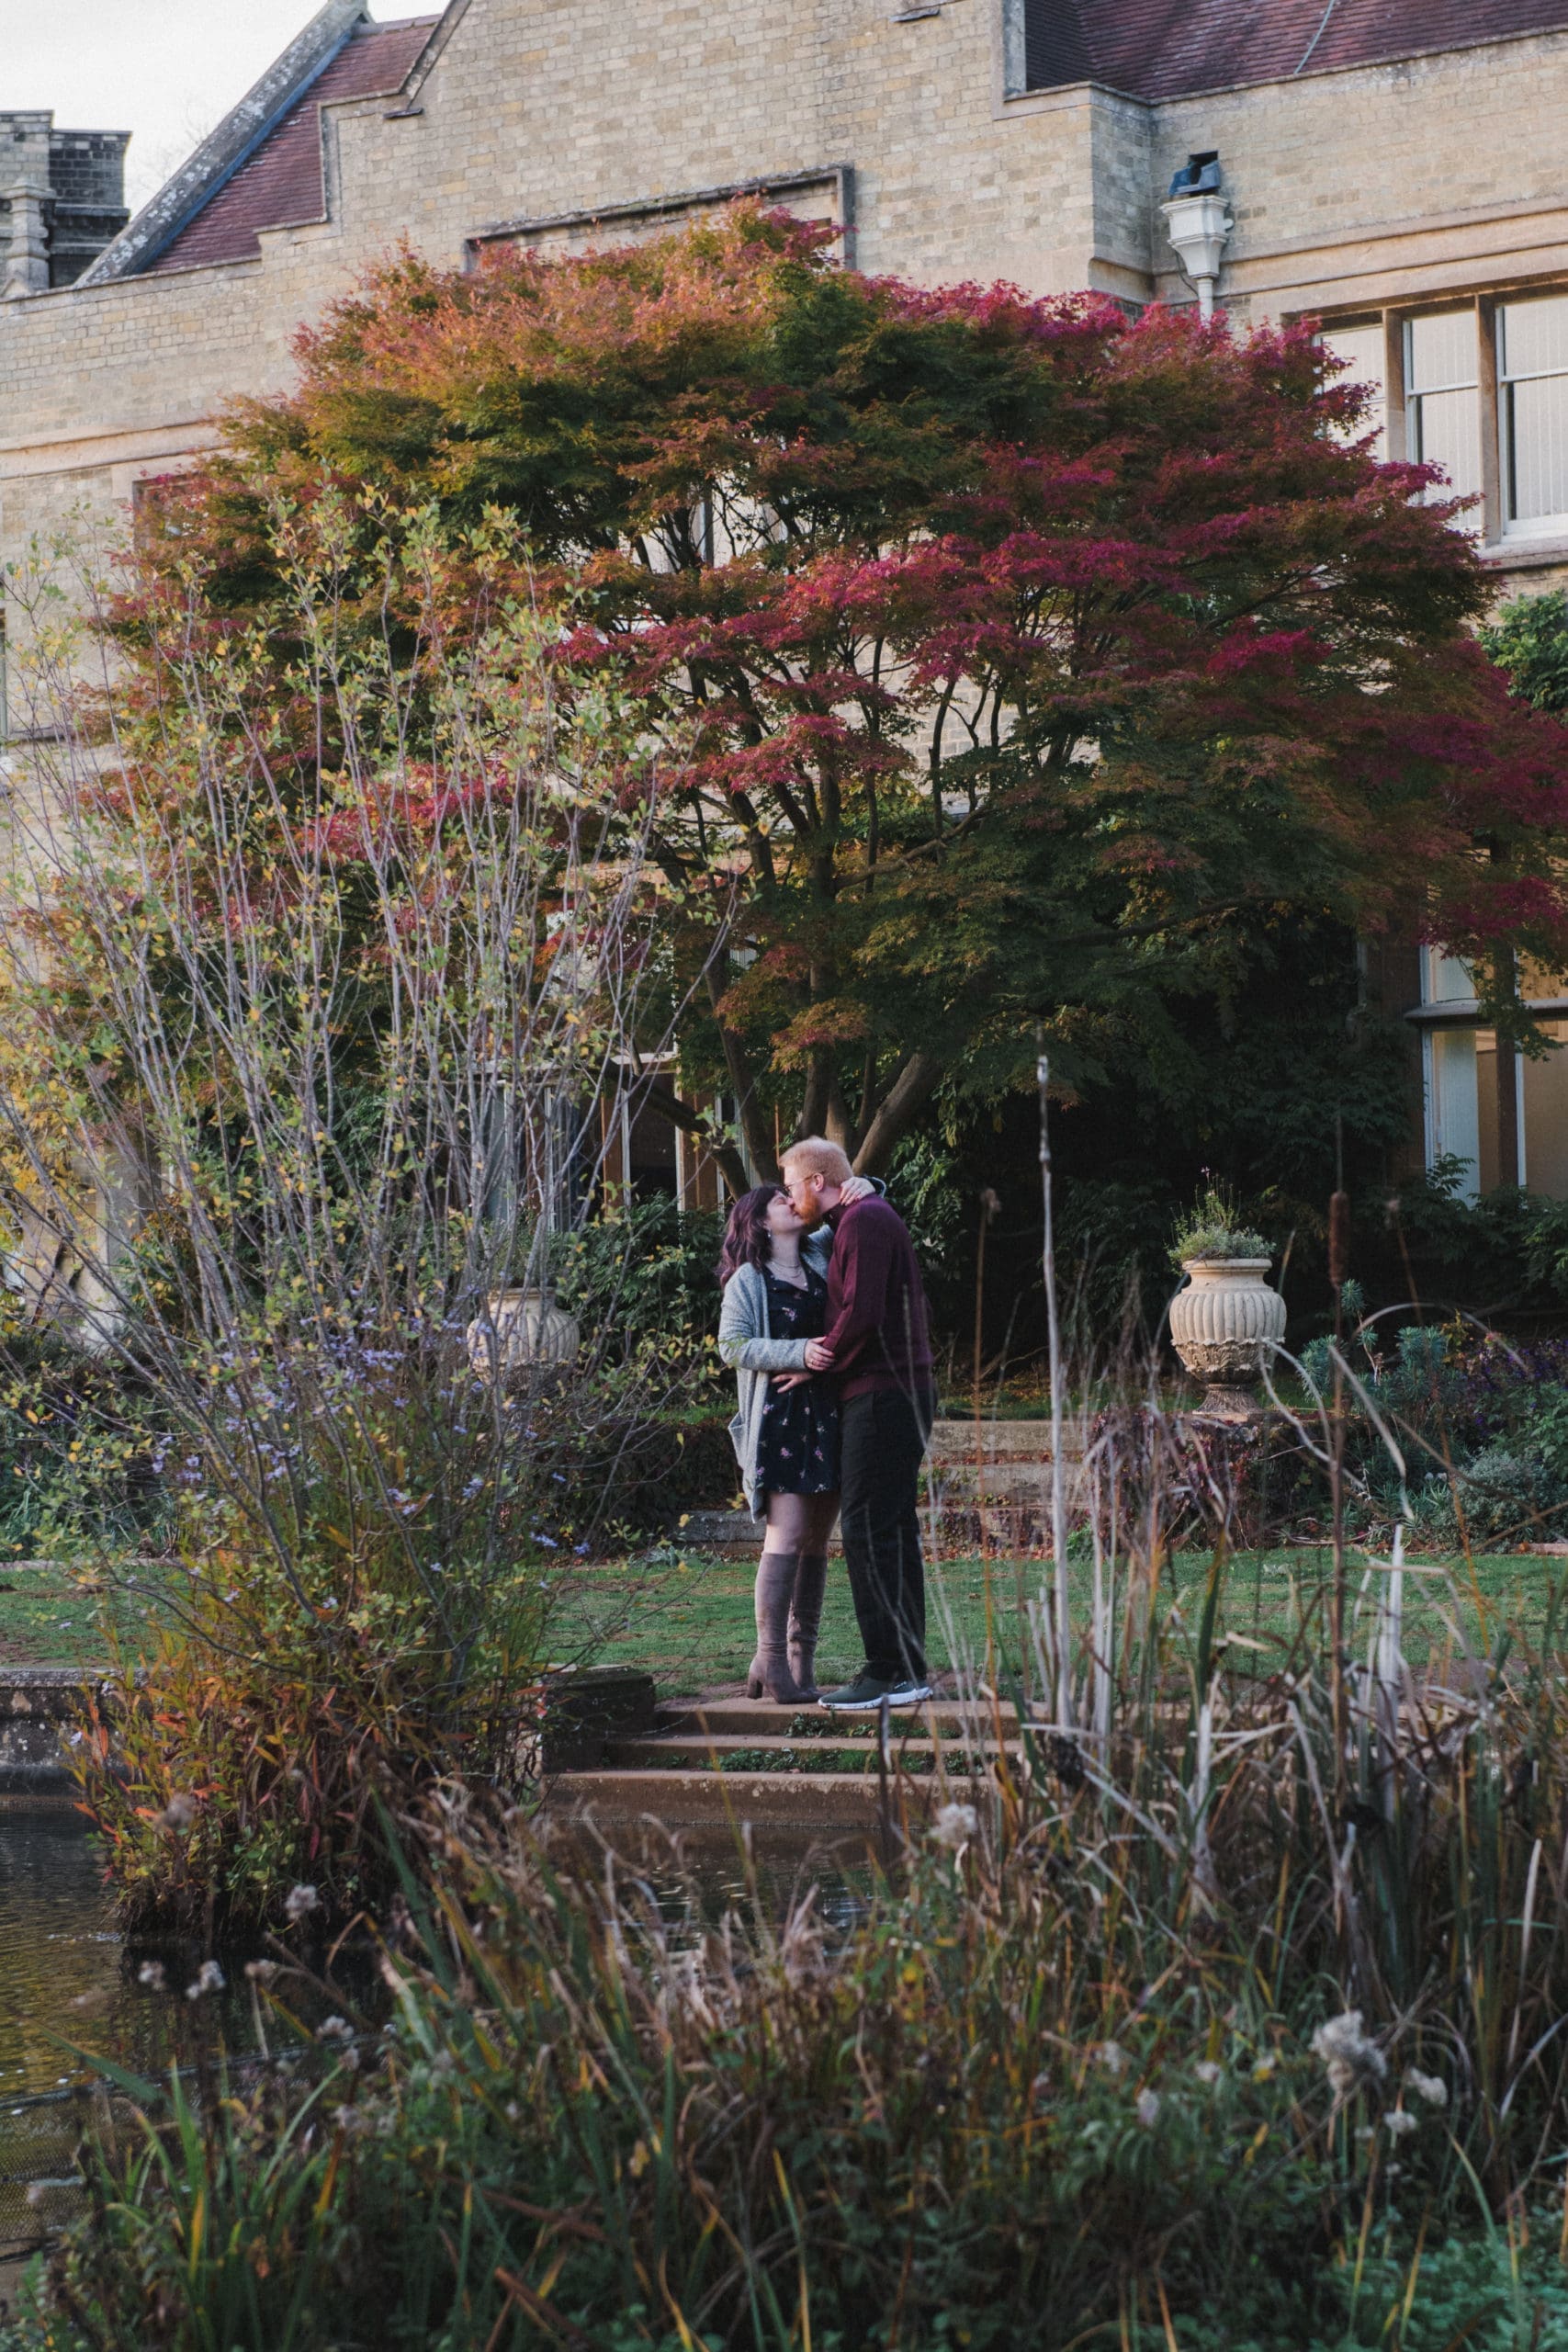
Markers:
point(883, 1435)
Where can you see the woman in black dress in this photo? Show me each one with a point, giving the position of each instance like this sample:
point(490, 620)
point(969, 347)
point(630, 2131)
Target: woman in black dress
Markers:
point(786, 1430)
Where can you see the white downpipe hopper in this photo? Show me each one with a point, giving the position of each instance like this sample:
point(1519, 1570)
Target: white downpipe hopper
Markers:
point(1197, 222)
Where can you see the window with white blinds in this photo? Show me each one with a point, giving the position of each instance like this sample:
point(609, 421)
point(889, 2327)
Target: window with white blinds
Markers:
point(1533, 402)
point(1442, 398)
point(1479, 390)
point(1361, 349)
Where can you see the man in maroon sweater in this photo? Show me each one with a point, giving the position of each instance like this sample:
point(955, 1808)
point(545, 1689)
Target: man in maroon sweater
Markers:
point(877, 1341)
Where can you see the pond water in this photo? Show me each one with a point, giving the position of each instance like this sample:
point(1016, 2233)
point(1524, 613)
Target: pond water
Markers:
point(71, 1983)
point(69, 1977)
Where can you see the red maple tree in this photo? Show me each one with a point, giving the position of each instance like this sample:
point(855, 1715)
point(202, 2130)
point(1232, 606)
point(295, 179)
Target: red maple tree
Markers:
point(997, 651)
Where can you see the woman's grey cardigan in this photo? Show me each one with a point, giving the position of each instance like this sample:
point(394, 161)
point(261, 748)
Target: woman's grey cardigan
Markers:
point(753, 1356)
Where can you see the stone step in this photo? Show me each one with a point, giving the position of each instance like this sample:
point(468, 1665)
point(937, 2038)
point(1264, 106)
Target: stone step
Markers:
point(726, 1715)
point(758, 1752)
point(677, 1800)
point(996, 1467)
point(960, 1444)
point(730, 1533)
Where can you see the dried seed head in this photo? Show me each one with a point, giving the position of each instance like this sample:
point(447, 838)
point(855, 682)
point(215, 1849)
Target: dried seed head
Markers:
point(1350, 2059)
point(1431, 2088)
point(954, 1826)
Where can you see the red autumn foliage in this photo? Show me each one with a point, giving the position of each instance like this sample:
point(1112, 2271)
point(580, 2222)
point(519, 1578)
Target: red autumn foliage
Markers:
point(1004, 654)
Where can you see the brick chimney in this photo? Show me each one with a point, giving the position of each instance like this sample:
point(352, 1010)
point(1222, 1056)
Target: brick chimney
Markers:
point(62, 200)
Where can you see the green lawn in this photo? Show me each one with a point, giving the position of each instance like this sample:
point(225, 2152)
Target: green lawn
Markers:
point(688, 1617)
point(56, 1616)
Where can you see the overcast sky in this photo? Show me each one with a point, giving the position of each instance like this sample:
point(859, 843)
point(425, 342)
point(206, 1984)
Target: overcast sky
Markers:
point(166, 71)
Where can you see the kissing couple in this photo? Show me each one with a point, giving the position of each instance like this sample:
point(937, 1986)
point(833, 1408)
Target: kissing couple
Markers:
point(824, 1323)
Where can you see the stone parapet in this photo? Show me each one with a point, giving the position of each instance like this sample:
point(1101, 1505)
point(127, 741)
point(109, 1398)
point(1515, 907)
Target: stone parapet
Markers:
point(39, 1708)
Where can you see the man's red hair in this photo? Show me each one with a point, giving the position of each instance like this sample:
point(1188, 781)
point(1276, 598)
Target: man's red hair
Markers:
point(815, 1156)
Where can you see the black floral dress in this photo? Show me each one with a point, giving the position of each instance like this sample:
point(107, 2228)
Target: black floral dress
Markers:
point(798, 1454)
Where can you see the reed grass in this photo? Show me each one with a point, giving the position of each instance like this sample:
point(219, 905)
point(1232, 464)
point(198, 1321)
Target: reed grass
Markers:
point(1065, 2078)
point(1220, 2016)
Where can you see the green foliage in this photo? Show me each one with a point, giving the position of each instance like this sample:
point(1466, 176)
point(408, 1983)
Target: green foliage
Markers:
point(356, 1619)
point(335, 992)
point(647, 1274)
point(948, 2123)
point(1496, 1498)
point(1210, 1228)
point(79, 1446)
point(1111, 1251)
point(1480, 1423)
point(925, 1182)
point(934, 2146)
point(1530, 641)
point(1492, 1253)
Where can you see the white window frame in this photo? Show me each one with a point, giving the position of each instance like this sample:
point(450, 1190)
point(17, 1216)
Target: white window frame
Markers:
point(1416, 395)
point(1538, 527)
point(1487, 520)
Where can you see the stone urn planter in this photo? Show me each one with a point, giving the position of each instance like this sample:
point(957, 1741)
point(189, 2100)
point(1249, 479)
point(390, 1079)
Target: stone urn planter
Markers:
point(528, 1332)
point(1224, 1326)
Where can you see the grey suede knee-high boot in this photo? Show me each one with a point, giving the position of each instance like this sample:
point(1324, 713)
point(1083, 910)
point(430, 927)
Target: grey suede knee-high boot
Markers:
point(768, 1676)
point(805, 1618)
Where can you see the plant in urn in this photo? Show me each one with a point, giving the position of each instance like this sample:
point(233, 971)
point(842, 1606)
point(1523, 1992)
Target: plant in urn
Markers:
point(528, 1333)
point(1228, 1321)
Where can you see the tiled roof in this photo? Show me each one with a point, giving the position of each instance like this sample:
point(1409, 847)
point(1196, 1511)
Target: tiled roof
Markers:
point(281, 182)
point(1166, 48)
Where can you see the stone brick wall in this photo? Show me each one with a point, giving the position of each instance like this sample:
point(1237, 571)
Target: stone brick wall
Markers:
point(1386, 183)
point(1442, 174)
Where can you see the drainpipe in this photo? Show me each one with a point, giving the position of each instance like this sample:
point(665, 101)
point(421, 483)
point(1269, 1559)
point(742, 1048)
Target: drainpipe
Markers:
point(1197, 222)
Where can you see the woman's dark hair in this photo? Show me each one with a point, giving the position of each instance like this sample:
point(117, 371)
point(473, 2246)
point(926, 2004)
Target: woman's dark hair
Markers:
point(747, 1241)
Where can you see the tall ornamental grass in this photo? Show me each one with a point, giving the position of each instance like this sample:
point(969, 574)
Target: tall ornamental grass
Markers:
point(330, 942)
point(1226, 2012)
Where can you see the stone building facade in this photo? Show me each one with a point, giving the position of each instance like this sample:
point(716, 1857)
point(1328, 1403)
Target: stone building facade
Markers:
point(1394, 168)
point(62, 200)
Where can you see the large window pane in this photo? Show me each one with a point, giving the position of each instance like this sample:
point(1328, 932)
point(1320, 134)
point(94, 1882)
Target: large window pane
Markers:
point(1453, 1119)
point(1442, 401)
point(1361, 349)
point(1537, 448)
point(1448, 433)
point(1545, 1087)
point(1445, 978)
point(1440, 351)
point(1532, 338)
point(1532, 365)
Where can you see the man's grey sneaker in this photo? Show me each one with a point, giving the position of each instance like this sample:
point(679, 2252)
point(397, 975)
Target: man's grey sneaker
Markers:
point(868, 1691)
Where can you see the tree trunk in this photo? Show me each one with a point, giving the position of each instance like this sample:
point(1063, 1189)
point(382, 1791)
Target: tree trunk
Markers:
point(913, 1087)
point(755, 1126)
point(840, 1128)
point(663, 1098)
point(818, 1092)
